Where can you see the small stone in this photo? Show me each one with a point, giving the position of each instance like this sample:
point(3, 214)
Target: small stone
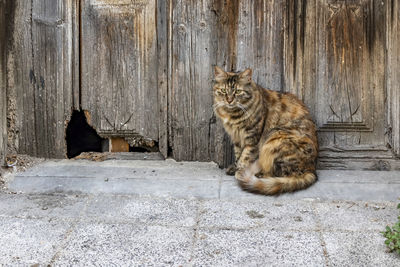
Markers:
point(298, 219)
point(254, 214)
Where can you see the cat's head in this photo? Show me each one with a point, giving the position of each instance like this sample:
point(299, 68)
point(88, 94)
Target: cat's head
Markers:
point(232, 90)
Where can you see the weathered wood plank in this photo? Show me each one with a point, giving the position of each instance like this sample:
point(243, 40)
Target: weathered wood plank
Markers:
point(190, 97)
point(76, 69)
point(224, 36)
point(299, 55)
point(20, 79)
point(6, 10)
point(120, 67)
point(163, 11)
point(260, 41)
point(52, 74)
point(393, 75)
point(41, 76)
point(203, 36)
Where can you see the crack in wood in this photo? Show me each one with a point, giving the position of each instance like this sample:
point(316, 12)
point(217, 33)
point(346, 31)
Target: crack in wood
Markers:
point(120, 6)
point(49, 22)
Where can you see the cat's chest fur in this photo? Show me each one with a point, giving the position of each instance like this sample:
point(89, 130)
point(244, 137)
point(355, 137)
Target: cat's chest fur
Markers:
point(235, 131)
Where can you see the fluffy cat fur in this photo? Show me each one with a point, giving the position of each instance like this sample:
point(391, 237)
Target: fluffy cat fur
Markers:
point(273, 134)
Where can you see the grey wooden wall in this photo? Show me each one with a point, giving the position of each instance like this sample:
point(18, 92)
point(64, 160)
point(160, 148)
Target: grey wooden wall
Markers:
point(41, 75)
point(3, 102)
point(146, 67)
point(6, 18)
point(340, 58)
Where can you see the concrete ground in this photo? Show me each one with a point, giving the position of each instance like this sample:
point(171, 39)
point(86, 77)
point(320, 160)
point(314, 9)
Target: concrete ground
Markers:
point(164, 213)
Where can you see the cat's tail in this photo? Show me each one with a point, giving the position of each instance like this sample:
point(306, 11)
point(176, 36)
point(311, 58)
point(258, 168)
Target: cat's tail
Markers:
point(273, 185)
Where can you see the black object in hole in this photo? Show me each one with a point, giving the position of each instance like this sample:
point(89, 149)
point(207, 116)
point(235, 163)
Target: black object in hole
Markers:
point(81, 137)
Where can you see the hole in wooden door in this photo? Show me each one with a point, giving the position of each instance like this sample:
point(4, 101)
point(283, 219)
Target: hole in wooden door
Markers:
point(153, 147)
point(81, 137)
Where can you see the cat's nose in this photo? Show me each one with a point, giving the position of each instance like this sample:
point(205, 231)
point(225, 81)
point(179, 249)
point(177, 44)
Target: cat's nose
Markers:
point(229, 100)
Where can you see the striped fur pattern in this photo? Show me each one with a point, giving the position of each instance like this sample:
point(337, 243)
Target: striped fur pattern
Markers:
point(273, 134)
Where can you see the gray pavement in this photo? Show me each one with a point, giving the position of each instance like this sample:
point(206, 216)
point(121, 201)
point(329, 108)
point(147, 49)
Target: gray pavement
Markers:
point(166, 213)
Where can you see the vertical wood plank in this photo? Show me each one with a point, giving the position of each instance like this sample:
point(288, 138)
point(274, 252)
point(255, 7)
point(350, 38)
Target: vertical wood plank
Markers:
point(4, 5)
point(51, 74)
point(393, 74)
point(299, 69)
point(41, 77)
point(75, 14)
point(120, 67)
point(188, 122)
point(260, 41)
point(225, 36)
point(204, 35)
point(163, 73)
point(21, 79)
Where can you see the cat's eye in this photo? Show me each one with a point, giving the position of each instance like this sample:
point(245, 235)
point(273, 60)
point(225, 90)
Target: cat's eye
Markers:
point(238, 92)
point(223, 90)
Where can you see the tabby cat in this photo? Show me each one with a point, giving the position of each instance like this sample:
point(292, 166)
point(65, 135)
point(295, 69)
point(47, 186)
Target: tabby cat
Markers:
point(273, 134)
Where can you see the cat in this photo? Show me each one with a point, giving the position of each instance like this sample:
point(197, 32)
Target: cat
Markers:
point(274, 137)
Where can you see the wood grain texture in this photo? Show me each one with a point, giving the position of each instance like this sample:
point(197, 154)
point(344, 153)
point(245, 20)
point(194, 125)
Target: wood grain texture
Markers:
point(51, 75)
point(203, 36)
point(260, 41)
point(334, 61)
point(41, 75)
point(120, 67)
point(4, 38)
point(393, 75)
point(226, 19)
point(145, 67)
point(190, 98)
point(163, 11)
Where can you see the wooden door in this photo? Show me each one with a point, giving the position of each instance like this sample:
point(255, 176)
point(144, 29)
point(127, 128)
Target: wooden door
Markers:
point(336, 62)
point(121, 61)
point(143, 68)
point(338, 56)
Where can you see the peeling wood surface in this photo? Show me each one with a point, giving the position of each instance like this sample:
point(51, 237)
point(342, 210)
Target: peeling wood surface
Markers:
point(120, 67)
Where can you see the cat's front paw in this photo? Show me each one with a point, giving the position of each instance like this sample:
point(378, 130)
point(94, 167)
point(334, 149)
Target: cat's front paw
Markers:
point(231, 169)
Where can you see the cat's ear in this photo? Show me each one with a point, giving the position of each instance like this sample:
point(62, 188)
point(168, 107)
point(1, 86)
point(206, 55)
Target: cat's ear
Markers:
point(220, 74)
point(245, 76)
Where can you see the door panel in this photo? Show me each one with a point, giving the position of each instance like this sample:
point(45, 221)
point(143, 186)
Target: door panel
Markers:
point(119, 67)
point(335, 61)
point(350, 86)
point(350, 79)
